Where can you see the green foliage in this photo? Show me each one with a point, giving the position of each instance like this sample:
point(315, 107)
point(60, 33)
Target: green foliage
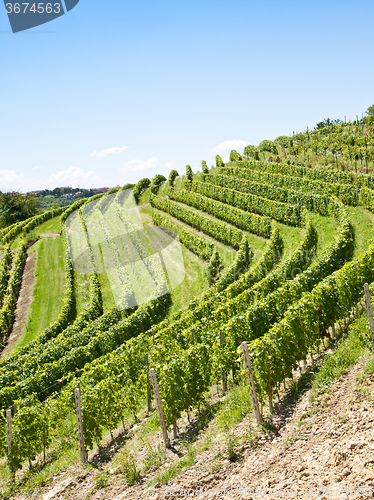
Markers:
point(157, 180)
point(189, 172)
point(249, 151)
point(7, 312)
point(242, 219)
point(215, 267)
point(101, 480)
point(267, 145)
point(196, 244)
point(15, 207)
point(345, 192)
point(217, 229)
point(204, 167)
point(141, 186)
point(235, 156)
point(172, 176)
point(128, 467)
point(347, 353)
point(370, 111)
point(219, 162)
point(283, 141)
point(224, 189)
point(5, 266)
point(312, 202)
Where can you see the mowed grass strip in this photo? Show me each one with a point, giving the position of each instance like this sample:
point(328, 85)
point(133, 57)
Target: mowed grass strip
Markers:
point(48, 288)
point(363, 224)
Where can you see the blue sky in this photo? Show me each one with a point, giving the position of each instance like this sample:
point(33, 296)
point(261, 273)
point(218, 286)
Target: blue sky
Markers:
point(115, 91)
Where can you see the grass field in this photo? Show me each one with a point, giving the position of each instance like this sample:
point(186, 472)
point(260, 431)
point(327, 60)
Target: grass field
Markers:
point(363, 225)
point(48, 288)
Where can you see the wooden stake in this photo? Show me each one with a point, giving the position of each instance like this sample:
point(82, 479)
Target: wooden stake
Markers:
point(271, 408)
point(222, 343)
point(9, 429)
point(251, 383)
point(370, 313)
point(159, 408)
point(148, 385)
point(77, 394)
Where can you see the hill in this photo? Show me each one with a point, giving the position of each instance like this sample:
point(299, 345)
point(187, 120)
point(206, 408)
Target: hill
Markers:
point(272, 248)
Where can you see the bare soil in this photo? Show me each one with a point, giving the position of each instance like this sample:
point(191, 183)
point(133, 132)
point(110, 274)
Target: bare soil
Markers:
point(50, 235)
point(23, 304)
point(320, 450)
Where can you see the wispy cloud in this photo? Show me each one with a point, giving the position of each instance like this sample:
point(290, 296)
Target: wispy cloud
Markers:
point(72, 175)
point(10, 180)
point(138, 165)
point(37, 167)
point(228, 146)
point(110, 151)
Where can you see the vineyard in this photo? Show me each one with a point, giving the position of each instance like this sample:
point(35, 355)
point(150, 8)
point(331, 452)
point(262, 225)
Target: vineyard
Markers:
point(271, 248)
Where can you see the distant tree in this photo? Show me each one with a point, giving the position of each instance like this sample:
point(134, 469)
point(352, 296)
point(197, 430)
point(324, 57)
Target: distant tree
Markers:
point(283, 141)
point(15, 207)
point(266, 145)
point(250, 151)
point(370, 113)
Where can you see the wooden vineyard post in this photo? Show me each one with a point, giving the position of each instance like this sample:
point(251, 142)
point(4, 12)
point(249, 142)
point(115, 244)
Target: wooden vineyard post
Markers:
point(10, 436)
point(77, 394)
point(148, 385)
point(370, 313)
point(9, 429)
point(159, 408)
point(251, 383)
point(222, 344)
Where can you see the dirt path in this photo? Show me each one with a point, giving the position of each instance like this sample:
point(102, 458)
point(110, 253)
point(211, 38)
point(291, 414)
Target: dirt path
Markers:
point(23, 303)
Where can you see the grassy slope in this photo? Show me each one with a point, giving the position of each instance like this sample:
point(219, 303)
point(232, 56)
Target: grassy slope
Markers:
point(48, 288)
point(195, 281)
point(363, 224)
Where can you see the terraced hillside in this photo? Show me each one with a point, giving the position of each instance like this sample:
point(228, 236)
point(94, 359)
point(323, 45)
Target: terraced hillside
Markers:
point(274, 254)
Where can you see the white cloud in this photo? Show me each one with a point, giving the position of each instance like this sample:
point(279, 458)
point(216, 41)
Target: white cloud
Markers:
point(138, 165)
point(110, 151)
point(229, 146)
point(37, 167)
point(10, 180)
point(72, 175)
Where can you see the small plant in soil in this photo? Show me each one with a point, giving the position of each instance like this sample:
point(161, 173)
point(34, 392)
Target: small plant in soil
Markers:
point(128, 467)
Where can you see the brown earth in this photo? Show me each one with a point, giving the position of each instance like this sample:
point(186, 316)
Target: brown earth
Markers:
point(23, 302)
point(327, 445)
